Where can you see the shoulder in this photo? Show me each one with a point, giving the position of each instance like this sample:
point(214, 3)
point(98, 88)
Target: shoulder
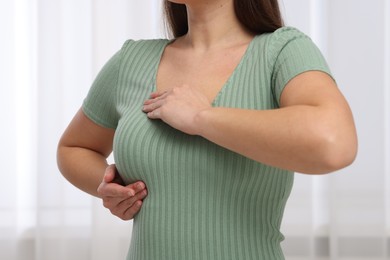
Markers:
point(282, 36)
point(139, 50)
point(288, 40)
point(287, 33)
point(277, 40)
point(146, 45)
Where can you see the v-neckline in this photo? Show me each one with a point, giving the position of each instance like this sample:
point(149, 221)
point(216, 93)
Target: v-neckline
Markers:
point(224, 86)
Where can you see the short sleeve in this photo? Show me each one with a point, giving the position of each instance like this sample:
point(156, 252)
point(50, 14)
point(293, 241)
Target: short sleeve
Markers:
point(292, 54)
point(100, 103)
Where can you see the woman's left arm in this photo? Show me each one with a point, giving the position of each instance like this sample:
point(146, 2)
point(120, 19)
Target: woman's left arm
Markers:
point(312, 132)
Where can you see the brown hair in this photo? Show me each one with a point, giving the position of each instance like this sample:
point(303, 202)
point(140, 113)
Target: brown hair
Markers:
point(257, 16)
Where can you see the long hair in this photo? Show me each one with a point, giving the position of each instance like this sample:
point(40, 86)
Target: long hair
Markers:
point(257, 16)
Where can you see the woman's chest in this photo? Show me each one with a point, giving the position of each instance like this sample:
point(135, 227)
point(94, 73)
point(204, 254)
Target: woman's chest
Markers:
point(207, 72)
point(143, 146)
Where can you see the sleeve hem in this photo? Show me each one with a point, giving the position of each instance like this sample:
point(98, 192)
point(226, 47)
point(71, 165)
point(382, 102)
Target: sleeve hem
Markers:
point(95, 118)
point(297, 73)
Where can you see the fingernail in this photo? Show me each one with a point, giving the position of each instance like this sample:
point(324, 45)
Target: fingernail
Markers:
point(131, 193)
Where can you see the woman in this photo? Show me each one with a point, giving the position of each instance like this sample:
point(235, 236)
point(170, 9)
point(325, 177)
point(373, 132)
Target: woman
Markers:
point(207, 131)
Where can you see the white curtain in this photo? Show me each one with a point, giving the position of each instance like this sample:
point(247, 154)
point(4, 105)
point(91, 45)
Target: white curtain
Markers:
point(346, 215)
point(50, 51)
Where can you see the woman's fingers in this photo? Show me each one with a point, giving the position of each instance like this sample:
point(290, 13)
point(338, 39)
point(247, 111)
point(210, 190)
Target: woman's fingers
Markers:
point(137, 186)
point(153, 104)
point(123, 201)
point(128, 208)
point(132, 211)
point(114, 190)
point(157, 94)
point(155, 97)
point(109, 174)
point(178, 107)
point(129, 202)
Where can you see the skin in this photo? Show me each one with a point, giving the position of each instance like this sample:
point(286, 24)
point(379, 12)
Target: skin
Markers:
point(313, 131)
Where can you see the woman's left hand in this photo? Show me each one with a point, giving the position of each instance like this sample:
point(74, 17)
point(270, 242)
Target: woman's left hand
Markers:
point(177, 107)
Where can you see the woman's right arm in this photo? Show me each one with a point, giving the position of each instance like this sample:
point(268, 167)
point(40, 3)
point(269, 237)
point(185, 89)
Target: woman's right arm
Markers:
point(82, 159)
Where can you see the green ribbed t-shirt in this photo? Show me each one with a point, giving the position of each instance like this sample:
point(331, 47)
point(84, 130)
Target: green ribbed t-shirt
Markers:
point(204, 202)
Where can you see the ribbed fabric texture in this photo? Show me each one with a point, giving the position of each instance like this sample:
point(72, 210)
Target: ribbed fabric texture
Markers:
point(204, 202)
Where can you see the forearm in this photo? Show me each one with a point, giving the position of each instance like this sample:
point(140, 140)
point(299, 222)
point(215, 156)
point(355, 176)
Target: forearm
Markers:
point(299, 138)
point(82, 167)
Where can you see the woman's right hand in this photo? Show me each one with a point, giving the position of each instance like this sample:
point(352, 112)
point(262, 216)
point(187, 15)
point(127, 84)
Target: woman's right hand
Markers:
point(123, 201)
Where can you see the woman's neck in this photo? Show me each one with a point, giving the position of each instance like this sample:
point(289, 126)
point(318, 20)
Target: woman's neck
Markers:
point(214, 25)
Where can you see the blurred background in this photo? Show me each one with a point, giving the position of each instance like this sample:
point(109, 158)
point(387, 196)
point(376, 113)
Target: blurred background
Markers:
point(50, 52)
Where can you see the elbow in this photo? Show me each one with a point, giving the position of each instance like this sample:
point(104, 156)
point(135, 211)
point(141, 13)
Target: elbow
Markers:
point(60, 156)
point(339, 151)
